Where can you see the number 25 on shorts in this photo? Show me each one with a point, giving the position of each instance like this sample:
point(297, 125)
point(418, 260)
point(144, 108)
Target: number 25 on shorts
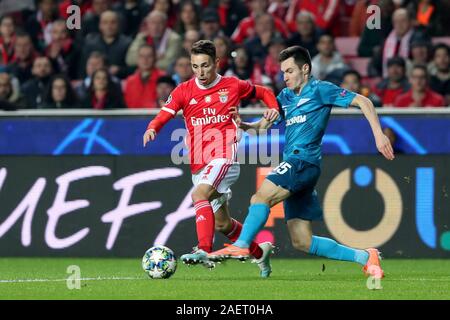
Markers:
point(283, 168)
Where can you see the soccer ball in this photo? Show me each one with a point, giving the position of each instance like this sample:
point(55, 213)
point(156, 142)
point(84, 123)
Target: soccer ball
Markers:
point(159, 262)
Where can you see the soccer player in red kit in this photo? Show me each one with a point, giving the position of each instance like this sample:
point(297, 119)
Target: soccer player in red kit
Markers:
point(208, 102)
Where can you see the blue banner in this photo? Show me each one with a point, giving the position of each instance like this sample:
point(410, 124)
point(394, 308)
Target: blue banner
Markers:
point(123, 135)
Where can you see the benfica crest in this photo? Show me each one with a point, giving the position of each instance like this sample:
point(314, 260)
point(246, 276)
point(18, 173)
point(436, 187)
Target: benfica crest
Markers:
point(223, 95)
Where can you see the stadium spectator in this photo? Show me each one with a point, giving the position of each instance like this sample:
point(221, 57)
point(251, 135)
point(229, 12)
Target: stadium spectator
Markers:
point(103, 92)
point(109, 42)
point(258, 45)
point(9, 93)
point(166, 7)
point(164, 87)
point(182, 69)
point(230, 12)
point(210, 24)
point(243, 68)
point(359, 17)
point(272, 66)
point(328, 59)
point(325, 14)
point(140, 88)
point(246, 28)
point(133, 13)
point(372, 39)
point(223, 50)
point(95, 61)
point(278, 8)
point(62, 51)
point(84, 5)
point(428, 14)
point(395, 84)
point(91, 20)
point(33, 90)
point(351, 81)
point(59, 94)
point(24, 55)
point(189, 17)
point(419, 53)
point(440, 71)
point(306, 34)
point(398, 41)
point(190, 37)
point(420, 95)
point(166, 41)
point(39, 24)
point(7, 38)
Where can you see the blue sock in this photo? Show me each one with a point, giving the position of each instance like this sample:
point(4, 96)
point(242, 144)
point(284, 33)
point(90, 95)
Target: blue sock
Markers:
point(325, 247)
point(255, 221)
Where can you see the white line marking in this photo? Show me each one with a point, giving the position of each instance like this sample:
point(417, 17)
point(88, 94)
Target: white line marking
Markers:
point(61, 280)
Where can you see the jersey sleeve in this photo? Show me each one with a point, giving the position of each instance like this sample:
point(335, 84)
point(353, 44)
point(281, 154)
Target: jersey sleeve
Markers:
point(175, 101)
point(334, 95)
point(246, 89)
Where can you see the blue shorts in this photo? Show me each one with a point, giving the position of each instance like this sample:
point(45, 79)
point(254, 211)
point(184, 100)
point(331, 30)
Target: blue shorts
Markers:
point(300, 178)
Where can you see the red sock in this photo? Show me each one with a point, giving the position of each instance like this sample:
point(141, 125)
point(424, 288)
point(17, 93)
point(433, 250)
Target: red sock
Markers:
point(204, 218)
point(233, 235)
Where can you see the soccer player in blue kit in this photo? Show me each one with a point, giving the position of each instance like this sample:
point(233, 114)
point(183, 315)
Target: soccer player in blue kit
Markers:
point(305, 106)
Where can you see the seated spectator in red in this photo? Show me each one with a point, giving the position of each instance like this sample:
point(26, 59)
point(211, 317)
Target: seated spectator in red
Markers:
point(210, 24)
point(109, 42)
point(59, 94)
point(132, 13)
point(103, 92)
point(231, 12)
point(328, 59)
point(189, 17)
point(24, 55)
point(7, 38)
point(246, 28)
point(352, 82)
point(182, 69)
point(359, 17)
point(398, 41)
point(395, 84)
point(325, 14)
point(166, 41)
point(39, 24)
point(164, 87)
point(258, 46)
point(440, 71)
point(33, 90)
point(9, 93)
point(62, 50)
point(140, 88)
point(278, 8)
point(306, 34)
point(420, 95)
point(91, 20)
point(223, 50)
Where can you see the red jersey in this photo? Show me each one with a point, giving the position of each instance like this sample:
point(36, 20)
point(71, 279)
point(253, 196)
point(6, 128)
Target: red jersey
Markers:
point(212, 132)
point(430, 99)
point(246, 29)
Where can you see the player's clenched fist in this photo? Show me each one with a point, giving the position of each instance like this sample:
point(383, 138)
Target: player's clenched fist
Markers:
point(271, 115)
point(149, 135)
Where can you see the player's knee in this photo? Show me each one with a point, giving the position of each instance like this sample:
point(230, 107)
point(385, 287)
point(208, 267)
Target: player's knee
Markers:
point(301, 244)
point(258, 197)
point(222, 226)
point(199, 195)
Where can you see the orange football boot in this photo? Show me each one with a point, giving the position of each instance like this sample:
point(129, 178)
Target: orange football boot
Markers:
point(230, 252)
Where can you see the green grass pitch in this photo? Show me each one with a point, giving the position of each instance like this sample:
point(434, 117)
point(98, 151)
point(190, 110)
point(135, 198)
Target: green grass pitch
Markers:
point(44, 278)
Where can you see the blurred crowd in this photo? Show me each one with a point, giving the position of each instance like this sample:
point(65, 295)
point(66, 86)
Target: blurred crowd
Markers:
point(133, 53)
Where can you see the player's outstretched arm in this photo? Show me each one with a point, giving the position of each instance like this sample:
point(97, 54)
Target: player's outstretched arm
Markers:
point(260, 126)
point(382, 142)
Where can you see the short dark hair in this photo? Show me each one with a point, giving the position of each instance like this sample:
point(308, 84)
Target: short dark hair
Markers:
point(352, 72)
point(204, 47)
point(166, 79)
point(301, 56)
point(421, 67)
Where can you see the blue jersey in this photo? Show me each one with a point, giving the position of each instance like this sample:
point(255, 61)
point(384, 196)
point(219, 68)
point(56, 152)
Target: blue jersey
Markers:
point(306, 117)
